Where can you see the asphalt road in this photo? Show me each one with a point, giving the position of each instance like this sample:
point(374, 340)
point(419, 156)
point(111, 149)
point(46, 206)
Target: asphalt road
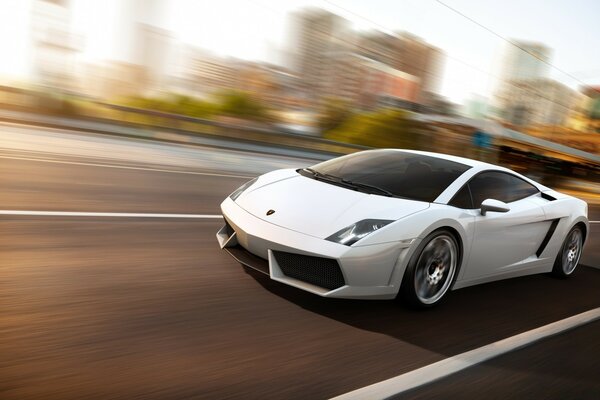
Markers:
point(555, 368)
point(100, 308)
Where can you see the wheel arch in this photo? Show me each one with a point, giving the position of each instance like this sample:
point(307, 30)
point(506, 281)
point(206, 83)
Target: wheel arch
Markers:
point(461, 250)
point(558, 266)
point(584, 229)
point(405, 290)
point(459, 234)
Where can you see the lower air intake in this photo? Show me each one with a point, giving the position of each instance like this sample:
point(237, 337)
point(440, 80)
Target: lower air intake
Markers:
point(319, 271)
point(230, 231)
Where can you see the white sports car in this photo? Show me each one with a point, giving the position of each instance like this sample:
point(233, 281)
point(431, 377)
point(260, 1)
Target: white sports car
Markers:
point(382, 223)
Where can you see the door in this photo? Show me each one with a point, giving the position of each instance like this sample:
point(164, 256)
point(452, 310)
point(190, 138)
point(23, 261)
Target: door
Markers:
point(504, 241)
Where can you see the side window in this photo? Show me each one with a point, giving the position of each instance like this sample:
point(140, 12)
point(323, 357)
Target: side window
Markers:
point(499, 186)
point(489, 185)
point(462, 198)
point(520, 188)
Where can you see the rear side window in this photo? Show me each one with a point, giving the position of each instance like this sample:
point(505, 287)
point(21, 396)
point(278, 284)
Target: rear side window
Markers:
point(462, 199)
point(499, 186)
point(520, 188)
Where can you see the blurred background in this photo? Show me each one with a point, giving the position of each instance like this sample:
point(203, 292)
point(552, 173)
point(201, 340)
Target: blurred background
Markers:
point(519, 86)
point(162, 108)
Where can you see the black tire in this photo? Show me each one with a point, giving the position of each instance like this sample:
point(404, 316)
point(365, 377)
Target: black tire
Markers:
point(431, 271)
point(569, 254)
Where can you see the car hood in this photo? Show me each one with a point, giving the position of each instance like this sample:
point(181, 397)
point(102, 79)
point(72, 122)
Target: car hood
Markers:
point(318, 208)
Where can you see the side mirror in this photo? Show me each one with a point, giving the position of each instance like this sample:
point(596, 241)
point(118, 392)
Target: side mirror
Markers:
point(494, 205)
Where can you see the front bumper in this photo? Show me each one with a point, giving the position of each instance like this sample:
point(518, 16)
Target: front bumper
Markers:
point(372, 271)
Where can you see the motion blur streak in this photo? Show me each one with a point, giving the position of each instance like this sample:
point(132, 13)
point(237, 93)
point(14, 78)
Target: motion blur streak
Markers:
point(126, 167)
point(110, 215)
point(125, 123)
point(150, 308)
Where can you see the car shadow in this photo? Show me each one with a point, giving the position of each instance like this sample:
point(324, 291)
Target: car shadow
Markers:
point(468, 318)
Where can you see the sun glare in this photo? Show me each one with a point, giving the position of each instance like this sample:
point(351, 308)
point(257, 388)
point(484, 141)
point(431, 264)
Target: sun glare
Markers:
point(14, 31)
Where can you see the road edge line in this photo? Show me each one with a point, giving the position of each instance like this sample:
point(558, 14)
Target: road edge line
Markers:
point(106, 214)
point(119, 166)
point(441, 369)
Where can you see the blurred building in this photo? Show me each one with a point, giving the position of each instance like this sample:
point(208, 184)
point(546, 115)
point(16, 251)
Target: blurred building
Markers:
point(363, 68)
point(53, 46)
point(536, 102)
point(433, 103)
point(527, 61)
point(202, 74)
point(579, 117)
point(422, 60)
point(477, 107)
point(368, 83)
point(316, 35)
point(210, 73)
point(523, 62)
point(113, 80)
point(526, 95)
point(272, 84)
point(591, 108)
point(142, 41)
point(153, 55)
point(379, 46)
point(404, 52)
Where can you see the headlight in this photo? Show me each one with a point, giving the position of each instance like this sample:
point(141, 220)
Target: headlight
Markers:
point(237, 192)
point(357, 231)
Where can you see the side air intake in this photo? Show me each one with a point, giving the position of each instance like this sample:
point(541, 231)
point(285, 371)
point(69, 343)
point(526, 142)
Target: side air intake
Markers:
point(547, 237)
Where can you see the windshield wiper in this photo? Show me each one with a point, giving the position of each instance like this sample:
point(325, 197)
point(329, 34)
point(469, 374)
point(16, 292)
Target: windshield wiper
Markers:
point(323, 176)
point(362, 185)
point(312, 171)
point(349, 183)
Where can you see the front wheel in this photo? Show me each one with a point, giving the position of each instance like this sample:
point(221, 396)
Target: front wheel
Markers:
point(431, 270)
point(569, 254)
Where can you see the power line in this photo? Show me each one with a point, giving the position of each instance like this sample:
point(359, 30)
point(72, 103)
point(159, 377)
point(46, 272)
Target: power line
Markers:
point(381, 27)
point(510, 83)
point(587, 74)
point(511, 42)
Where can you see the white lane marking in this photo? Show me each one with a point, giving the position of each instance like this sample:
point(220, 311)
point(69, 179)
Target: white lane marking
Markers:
point(122, 215)
point(451, 365)
point(107, 214)
point(126, 167)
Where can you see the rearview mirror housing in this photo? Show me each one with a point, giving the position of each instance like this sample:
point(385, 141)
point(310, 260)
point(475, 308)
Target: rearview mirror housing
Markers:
point(493, 205)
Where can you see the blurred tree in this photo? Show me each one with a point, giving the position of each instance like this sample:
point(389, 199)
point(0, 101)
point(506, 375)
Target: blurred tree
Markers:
point(231, 103)
point(382, 128)
point(49, 103)
point(334, 112)
point(175, 104)
point(595, 109)
point(240, 104)
point(193, 107)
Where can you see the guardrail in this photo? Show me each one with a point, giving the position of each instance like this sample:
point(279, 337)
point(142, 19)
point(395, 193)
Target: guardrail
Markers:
point(95, 115)
point(240, 131)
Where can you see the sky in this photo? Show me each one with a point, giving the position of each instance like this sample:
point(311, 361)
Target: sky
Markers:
point(258, 29)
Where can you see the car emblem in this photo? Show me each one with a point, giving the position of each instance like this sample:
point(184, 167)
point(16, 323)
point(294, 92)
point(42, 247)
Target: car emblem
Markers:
point(270, 212)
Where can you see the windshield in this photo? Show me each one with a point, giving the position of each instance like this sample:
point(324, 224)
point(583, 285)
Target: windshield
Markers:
point(402, 174)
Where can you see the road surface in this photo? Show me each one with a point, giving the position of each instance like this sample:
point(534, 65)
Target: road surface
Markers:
point(97, 307)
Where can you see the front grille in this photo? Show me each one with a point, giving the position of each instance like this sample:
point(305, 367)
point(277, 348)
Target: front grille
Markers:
point(323, 272)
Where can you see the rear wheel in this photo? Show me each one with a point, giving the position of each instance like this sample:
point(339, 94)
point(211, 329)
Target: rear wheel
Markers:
point(431, 270)
point(569, 254)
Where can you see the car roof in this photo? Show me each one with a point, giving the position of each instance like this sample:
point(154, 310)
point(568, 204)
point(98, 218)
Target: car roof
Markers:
point(461, 160)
